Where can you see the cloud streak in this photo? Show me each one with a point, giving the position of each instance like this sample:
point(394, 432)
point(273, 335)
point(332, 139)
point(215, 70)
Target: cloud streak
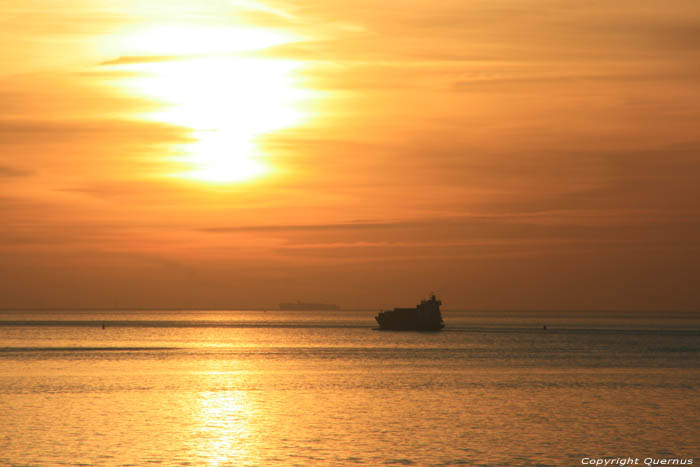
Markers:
point(10, 172)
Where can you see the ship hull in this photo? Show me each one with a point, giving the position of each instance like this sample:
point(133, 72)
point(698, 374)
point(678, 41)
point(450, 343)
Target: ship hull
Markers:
point(408, 321)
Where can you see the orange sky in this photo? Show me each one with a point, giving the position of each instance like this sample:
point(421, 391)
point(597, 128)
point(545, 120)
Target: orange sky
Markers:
point(506, 154)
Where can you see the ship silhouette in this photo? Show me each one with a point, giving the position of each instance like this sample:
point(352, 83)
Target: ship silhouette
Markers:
point(425, 316)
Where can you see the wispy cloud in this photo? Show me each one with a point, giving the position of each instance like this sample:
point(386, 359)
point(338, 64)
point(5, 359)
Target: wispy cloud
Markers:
point(31, 131)
point(135, 59)
point(9, 171)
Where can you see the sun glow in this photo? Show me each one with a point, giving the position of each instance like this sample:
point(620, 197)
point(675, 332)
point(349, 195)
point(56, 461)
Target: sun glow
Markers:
point(229, 101)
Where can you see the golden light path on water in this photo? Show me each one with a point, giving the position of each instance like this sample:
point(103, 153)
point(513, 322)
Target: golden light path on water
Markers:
point(215, 86)
point(222, 419)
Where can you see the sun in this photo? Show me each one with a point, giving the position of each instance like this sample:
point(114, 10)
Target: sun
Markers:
point(228, 100)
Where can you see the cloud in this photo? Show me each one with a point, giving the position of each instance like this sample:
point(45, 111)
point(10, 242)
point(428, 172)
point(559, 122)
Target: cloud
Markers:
point(52, 18)
point(360, 225)
point(133, 59)
point(478, 83)
point(30, 131)
point(8, 171)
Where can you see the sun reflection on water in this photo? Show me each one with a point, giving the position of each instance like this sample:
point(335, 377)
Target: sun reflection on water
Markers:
point(222, 420)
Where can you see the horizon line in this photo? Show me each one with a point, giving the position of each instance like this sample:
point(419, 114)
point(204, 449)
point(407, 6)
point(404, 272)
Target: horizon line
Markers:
point(470, 310)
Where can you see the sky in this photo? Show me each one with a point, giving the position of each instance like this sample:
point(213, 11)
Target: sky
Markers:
point(506, 154)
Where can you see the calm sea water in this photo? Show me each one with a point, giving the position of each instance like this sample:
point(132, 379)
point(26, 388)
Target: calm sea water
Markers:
point(312, 388)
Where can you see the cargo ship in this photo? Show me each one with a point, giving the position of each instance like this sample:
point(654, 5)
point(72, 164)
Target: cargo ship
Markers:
point(305, 306)
point(425, 316)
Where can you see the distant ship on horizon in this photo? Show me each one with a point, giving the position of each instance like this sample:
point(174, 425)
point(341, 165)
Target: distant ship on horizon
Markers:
point(425, 316)
point(307, 306)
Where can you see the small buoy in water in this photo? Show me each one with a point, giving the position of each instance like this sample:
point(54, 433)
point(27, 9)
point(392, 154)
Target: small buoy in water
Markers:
point(544, 327)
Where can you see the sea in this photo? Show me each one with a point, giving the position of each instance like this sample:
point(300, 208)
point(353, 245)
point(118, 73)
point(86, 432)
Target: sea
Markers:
point(272, 388)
